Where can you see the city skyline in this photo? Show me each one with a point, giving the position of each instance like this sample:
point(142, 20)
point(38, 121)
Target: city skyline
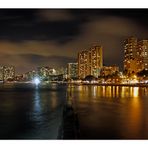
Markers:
point(45, 37)
point(73, 74)
point(94, 48)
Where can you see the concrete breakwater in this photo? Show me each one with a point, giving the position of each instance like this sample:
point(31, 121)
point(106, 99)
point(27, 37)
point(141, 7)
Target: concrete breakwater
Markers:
point(70, 124)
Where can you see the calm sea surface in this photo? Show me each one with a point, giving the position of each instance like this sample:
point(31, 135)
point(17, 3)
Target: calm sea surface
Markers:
point(104, 112)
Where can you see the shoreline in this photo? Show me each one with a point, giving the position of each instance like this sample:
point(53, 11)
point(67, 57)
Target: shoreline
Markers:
point(128, 85)
point(80, 84)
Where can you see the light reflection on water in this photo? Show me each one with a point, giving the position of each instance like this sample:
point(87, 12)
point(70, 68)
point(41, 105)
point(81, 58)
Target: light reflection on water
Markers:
point(135, 91)
point(106, 91)
point(28, 113)
point(37, 105)
point(111, 112)
point(36, 115)
point(104, 112)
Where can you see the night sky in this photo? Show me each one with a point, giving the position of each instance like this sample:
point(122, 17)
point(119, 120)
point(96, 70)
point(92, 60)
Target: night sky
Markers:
point(52, 37)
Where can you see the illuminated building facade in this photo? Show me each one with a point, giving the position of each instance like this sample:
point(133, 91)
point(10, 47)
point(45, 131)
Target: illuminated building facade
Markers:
point(90, 62)
point(8, 72)
point(109, 70)
point(45, 71)
point(135, 55)
point(130, 49)
point(72, 70)
point(143, 51)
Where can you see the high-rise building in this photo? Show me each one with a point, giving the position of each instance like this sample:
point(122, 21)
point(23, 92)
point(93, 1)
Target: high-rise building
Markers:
point(8, 72)
point(135, 55)
point(90, 62)
point(72, 70)
point(130, 58)
point(143, 53)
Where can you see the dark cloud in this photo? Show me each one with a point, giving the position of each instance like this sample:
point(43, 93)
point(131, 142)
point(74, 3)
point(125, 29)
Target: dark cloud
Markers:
point(48, 24)
point(30, 38)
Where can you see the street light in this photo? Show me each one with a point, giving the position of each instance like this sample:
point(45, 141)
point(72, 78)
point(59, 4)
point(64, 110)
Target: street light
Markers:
point(36, 81)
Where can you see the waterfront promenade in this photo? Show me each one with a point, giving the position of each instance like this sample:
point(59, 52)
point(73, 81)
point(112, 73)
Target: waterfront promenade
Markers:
point(82, 83)
point(113, 84)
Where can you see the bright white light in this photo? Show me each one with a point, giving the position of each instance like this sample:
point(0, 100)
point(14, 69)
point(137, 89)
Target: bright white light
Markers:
point(36, 81)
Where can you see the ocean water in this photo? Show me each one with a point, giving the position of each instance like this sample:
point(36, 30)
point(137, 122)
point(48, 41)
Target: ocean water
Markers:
point(104, 112)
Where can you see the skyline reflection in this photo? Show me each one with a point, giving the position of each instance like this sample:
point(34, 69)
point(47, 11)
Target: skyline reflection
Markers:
point(111, 111)
point(105, 91)
point(104, 112)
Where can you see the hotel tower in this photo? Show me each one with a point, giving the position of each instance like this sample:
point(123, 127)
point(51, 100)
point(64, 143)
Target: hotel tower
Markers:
point(90, 62)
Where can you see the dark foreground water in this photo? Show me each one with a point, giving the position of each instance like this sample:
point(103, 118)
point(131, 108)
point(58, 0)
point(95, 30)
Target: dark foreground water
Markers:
point(28, 113)
point(104, 112)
